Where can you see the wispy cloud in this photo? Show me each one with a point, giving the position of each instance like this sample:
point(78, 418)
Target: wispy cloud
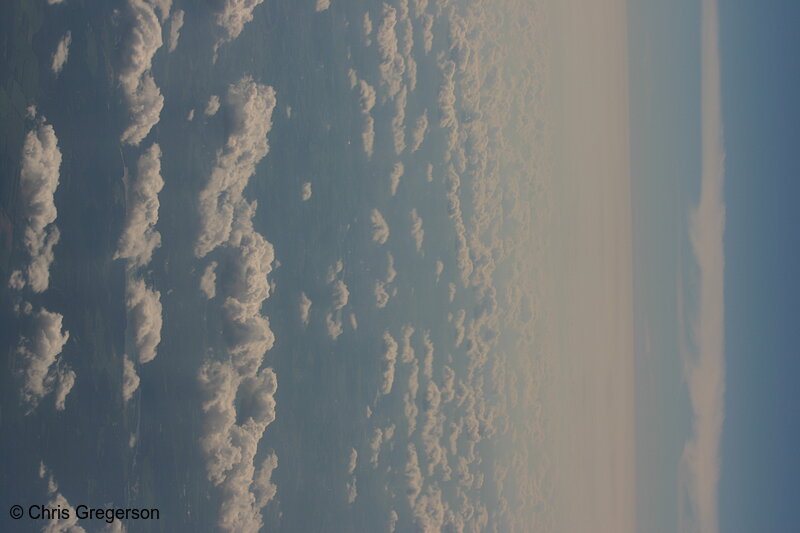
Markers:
point(704, 369)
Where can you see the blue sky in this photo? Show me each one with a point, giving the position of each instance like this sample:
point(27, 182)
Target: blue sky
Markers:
point(760, 75)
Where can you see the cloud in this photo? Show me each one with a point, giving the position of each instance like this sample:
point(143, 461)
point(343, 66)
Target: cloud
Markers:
point(427, 32)
point(144, 311)
point(353, 321)
point(439, 270)
point(391, 273)
point(416, 230)
point(392, 65)
point(368, 135)
point(40, 368)
point(130, 379)
point(139, 89)
point(381, 296)
point(392, 525)
point(394, 177)
point(305, 308)
point(190, 115)
point(380, 229)
point(339, 294)
point(705, 369)
point(212, 106)
point(208, 282)
point(61, 54)
point(322, 5)
point(175, 25)
point(63, 522)
point(375, 446)
point(388, 359)
point(230, 447)
point(419, 131)
point(139, 238)
point(305, 193)
point(413, 476)
point(250, 107)
point(367, 25)
point(351, 491)
point(399, 122)
point(39, 176)
point(333, 271)
point(333, 324)
point(231, 18)
point(366, 96)
point(407, 351)
point(352, 461)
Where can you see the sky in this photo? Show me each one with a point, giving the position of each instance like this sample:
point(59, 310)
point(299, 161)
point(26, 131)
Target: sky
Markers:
point(413, 265)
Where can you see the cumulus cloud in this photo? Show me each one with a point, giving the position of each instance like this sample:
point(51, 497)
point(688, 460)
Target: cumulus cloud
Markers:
point(705, 369)
point(305, 308)
point(380, 229)
point(350, 491)
point(322, 5)
point(427, 32)
point(40, 368)
point(64, 522)
point(392, 65)
point(212, 106)
point(130, 379)
point(333, 271)
point(339, 294)
point(139, 238)
point(392, 525)
point(230, 447)
point(250, 110)
point(367, 25)
point(144, 311)
point(305, 193)
point(139, 89)
point(416, 230)
point(439, 270)
point(399, 122)
point(375, 446)
point(407, 351)
point(61, 54)
point(394, 177)
point(333, 325)
point(208, 281)
point(419, 131)
point(231, 17)
point(368, 135)
point(388, 359)
point(381, 296)
point(352, 461)
point(366, 96)
point(39, 176)
point(391, 273)
point(175, 25)
point(190, 115)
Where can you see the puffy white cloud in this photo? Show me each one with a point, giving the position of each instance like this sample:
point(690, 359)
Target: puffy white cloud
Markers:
point(212, 106)
point(162, 7)
point(392, 65)
point(352, 461)
point(61, 54)
point(416, 230)
point(251, 105)
point(459, 327)
point(17, 280)
point(351, 491)
point(413, 475)
point(208, 281)
point(419, 131)
point(439, 270)
point(451, 291)
point(394, 177)
point(388, 359)
point(399, 122)
point(367, 25)
point(407, 351)
point(375, 446)
point(381, 296)
point(305, 193)
point(139, 238)
point(366, 96)
point(368, 135)
point(231, 17)
point(427, 32)
point(230, 448)
point(333, 324)
point(139, 89)
point(380, 229)
point(391, 273)
point(392, 526)
point(39, 176)
point(333, 271)
point(305, 308)
point(427, 357)
point(144, 311)
point(339, 294)
point(175, 25)
point(40, 368)
point(130, 379)
point(64, 522)
point(322, 5)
